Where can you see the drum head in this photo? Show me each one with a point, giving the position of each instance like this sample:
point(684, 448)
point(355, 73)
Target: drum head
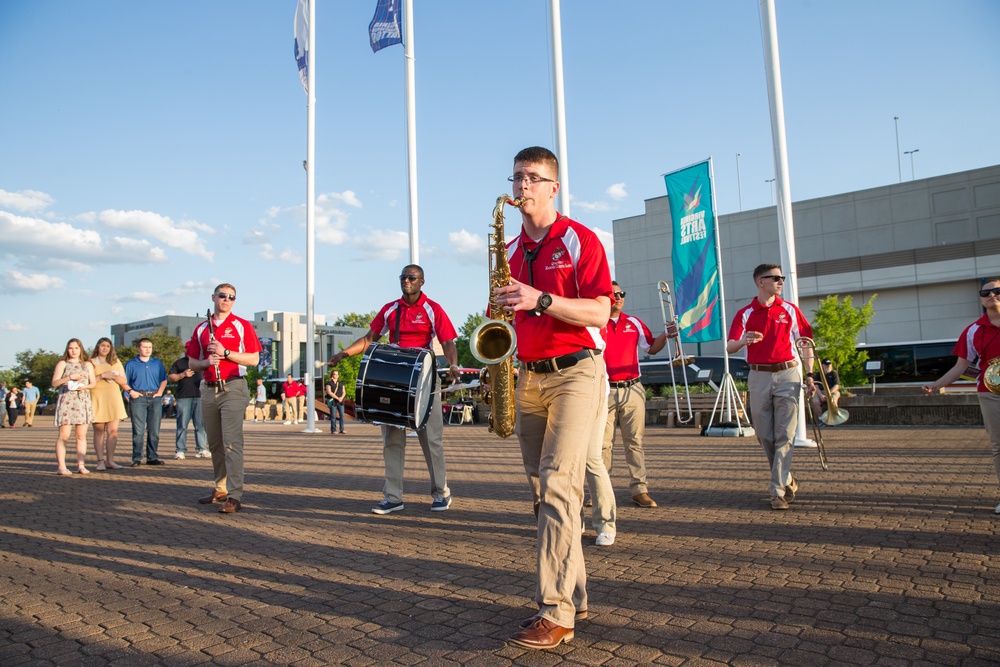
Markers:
point(423, 390)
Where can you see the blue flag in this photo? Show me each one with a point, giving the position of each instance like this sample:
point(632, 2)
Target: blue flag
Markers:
point(384, 28)
point(695, 265)
point(302, 41)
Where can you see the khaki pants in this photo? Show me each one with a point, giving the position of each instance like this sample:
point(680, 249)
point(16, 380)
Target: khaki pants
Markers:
point(990, 406)
point(223, 414)
point(556, 413)
point(291, 409)
point(774, 402)
point(29, 412)
point(431, 438)
point(627, 408)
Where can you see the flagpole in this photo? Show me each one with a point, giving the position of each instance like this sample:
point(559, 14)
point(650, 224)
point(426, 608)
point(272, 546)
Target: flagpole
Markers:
point(311, 227)
point(411, 128)
point(786, 228)
point(560, 106)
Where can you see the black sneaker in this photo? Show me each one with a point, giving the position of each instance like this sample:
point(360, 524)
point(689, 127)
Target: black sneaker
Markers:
point(135, 464)
point(155, 462)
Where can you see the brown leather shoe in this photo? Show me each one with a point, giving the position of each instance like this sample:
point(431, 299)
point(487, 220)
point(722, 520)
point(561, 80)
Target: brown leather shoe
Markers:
point(643, 500)
point(215, 497)
point(580, 615)
point(231, 507)
point(542, 633)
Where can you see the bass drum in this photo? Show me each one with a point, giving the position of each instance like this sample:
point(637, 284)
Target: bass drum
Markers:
point(395, 386)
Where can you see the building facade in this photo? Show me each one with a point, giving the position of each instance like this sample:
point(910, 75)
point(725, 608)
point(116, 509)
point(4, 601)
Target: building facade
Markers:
point(922, 246)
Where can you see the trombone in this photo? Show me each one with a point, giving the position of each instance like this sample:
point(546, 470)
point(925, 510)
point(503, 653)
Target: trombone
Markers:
point(675, 359)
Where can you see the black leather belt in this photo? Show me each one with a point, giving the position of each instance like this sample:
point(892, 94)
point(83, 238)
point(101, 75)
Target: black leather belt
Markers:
point(774, 368)
point(560, 363)
point(216, 384)
point(144, 393)
point(625, 383)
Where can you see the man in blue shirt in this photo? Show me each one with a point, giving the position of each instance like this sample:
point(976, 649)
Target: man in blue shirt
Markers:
point(30, 397)
point(147, 379)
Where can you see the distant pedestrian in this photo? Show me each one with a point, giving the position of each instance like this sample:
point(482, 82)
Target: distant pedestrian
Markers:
point(336, 393)
point(74, 378)
point(30, 396)
point(13, 405)
point(290, 396)
point(260, 401)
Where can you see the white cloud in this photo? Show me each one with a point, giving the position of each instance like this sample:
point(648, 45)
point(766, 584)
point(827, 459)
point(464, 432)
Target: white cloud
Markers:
point(25, 200)
point(192, 287)
point(12, 326)
point(40, 240)
point(592, 207)
point(267, 252)
point(181, 235)
point(385, 245)
point(254, 237)
point(15, 281)
point(469, 248)
point(140, 297)
point(617, 191)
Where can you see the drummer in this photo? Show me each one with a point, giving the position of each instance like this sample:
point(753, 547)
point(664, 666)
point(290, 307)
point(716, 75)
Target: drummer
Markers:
point(413, 320)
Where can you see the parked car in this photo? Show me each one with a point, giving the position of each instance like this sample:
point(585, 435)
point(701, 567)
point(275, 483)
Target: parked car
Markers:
point(657, 371)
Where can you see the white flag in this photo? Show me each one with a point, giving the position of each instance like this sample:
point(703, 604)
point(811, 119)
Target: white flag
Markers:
point(302, 41)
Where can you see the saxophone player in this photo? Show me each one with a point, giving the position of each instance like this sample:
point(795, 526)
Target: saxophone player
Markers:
point(560, 294)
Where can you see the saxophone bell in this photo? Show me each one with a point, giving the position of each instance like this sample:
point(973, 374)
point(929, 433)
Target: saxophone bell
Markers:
point(493, 341)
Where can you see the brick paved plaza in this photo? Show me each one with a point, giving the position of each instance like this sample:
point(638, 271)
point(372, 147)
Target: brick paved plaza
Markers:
point(887, 558)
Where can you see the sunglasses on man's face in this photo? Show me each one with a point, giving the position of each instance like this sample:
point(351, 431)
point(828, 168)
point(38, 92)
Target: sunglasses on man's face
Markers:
point(619, 295)
point(995, 291)
point(777, 279)
point(223, 296)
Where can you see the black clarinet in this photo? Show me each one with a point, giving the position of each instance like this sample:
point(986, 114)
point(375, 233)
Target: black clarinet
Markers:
point(220, 383)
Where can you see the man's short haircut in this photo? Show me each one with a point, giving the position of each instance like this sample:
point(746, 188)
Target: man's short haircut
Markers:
point(539, 155)
point(143, 340)
point(221, 285)
point(991, 280)
point(763, 268)
point(417, 267)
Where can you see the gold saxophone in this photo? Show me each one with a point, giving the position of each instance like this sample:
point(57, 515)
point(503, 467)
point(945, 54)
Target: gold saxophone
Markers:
point(493, 342)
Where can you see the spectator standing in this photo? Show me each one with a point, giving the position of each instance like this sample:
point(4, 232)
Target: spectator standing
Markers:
point(3, 399)
point(188, 409)
point(74, 378)
point(147, 380)
point(30, 396)
point(169, 403)
point(235, 346)
point(336, 392)
point(108, 405)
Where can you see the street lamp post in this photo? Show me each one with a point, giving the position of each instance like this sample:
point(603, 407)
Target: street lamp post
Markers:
point(899, 160)
point(770, 188)
point(910, 153)
point(739, 183)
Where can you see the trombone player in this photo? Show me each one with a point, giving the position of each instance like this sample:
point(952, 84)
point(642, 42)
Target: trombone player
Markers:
point(817, 396)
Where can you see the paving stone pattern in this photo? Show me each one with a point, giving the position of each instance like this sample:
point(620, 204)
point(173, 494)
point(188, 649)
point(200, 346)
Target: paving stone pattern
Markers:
point(888, 558)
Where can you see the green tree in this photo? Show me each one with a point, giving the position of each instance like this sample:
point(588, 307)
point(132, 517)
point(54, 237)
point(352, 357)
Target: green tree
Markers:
point(465, 358)
point(37, 367)
point(356, 319)
point(836, 325)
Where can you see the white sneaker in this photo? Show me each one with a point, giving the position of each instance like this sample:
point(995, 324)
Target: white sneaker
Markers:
point(296, 421)
point(288, 423)
point(179, 456)
point(254, 421)
point(605, 539)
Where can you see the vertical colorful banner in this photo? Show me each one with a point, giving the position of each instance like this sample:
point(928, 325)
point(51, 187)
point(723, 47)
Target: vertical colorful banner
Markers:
point(696, 270)
point(384, 30)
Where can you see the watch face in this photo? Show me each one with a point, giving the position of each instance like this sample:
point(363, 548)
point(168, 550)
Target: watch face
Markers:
point(545, 300)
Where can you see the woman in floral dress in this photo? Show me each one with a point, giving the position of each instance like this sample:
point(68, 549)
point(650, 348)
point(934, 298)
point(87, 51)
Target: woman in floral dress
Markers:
point(74, 377)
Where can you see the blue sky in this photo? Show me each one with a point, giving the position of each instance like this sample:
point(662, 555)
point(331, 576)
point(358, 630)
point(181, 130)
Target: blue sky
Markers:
point(151, 150)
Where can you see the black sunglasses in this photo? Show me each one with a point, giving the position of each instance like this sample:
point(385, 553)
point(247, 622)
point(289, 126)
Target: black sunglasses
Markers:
point(775, 278)
point(224, 296)
point(408, 276)
point(620, 295)
point(989, 292)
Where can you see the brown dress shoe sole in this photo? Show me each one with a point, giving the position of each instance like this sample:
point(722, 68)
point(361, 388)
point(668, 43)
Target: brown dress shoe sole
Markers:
point(531, 637)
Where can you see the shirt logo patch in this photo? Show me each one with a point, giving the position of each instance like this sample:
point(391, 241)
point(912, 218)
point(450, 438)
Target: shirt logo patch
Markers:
point(227, 333)
point(557, 255)
point(419, 317)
